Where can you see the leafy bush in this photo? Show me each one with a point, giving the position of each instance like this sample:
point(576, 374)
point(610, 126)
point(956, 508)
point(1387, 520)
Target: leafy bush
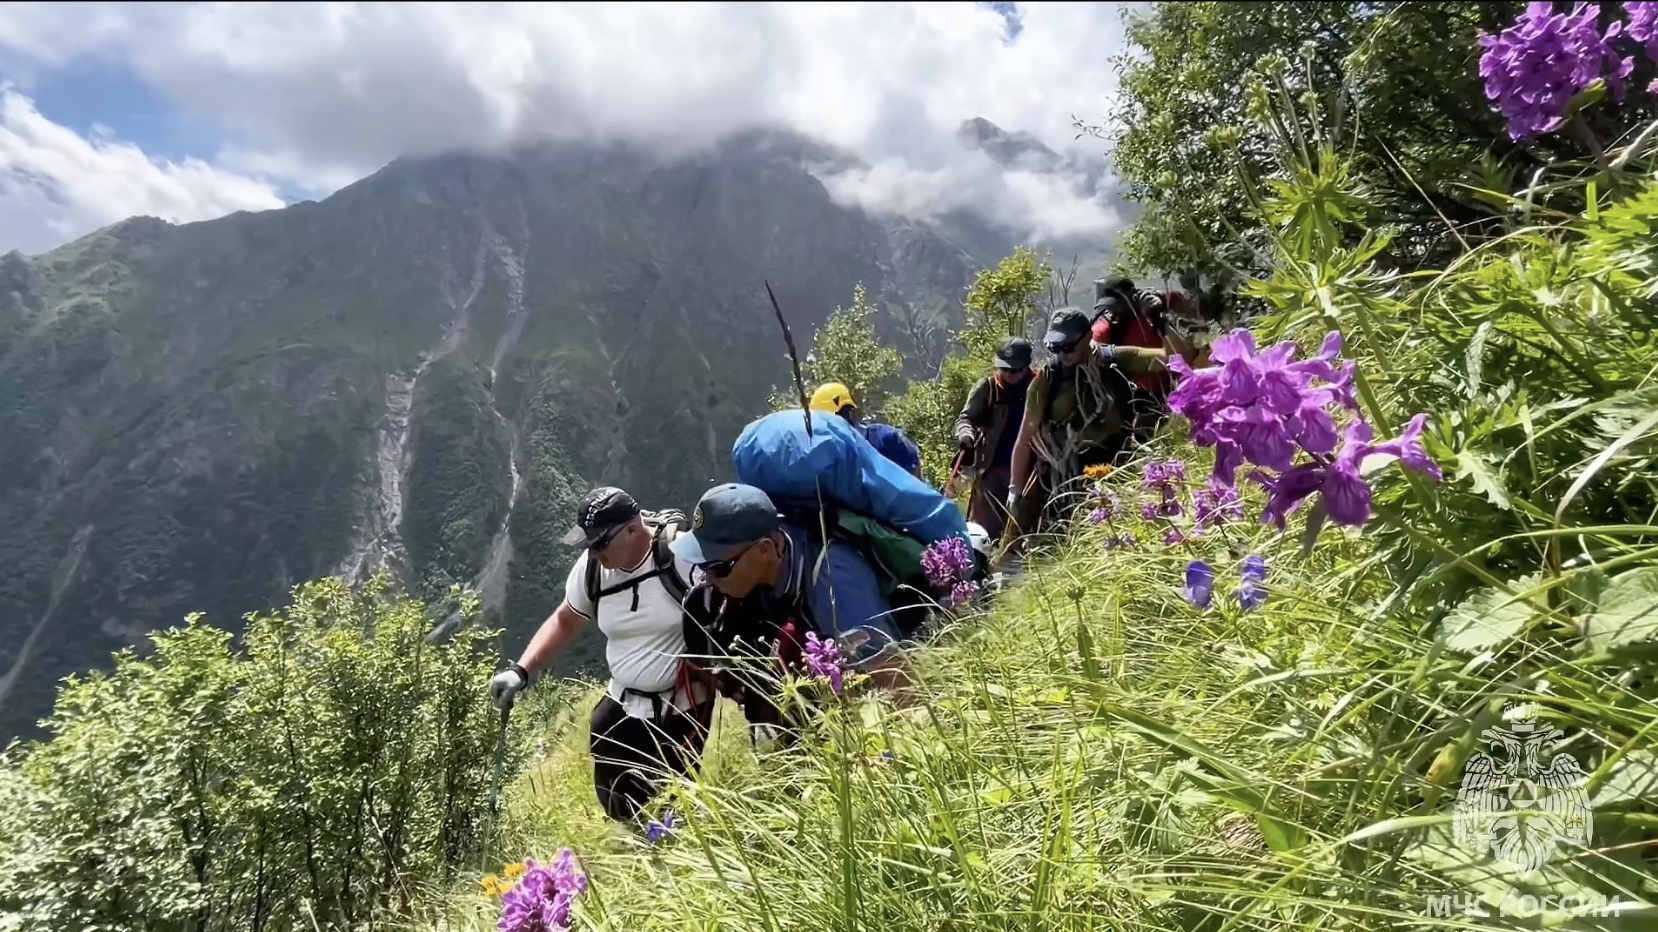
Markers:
point(319, 776)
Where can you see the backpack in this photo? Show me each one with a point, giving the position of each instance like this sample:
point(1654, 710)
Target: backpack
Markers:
point(841, 489)
point(664, 526)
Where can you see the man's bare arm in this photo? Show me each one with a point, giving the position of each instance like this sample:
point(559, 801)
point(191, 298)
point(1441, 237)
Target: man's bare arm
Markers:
point(554, 635)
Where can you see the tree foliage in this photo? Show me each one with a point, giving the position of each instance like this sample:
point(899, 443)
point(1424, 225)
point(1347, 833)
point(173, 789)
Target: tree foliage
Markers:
point(317, 776)
point(1000, 304)
point(846, 349)
point(1404, 76)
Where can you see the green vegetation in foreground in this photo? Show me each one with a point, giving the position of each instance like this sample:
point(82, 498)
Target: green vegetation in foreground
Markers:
point(1096, 753)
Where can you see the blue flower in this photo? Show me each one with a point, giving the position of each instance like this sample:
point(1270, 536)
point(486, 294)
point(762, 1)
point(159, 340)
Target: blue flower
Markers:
point(1200, 583)
point(1252, 593)
point(657, 831)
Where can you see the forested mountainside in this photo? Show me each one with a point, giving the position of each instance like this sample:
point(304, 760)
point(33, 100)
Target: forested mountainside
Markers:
point(428, 367)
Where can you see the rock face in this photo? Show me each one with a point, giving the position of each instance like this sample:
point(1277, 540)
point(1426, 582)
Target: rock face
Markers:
point(427, 369)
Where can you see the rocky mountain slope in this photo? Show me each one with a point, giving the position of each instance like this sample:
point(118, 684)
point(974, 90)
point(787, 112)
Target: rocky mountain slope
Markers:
point(426, 368)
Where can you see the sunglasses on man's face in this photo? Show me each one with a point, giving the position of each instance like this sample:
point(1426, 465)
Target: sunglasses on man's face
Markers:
point(604, 541)
point(1063, 348)
point(720, 569)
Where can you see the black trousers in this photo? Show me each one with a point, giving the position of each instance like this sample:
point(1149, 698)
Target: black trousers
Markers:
point(634, 757)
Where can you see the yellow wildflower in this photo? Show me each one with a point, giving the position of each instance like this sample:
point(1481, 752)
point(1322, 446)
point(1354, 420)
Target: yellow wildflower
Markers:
point(491, 885)
point(1096, 472)
point(513, 871)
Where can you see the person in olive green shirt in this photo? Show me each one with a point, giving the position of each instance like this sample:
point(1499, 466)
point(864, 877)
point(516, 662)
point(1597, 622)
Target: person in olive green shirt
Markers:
point(1076, 416)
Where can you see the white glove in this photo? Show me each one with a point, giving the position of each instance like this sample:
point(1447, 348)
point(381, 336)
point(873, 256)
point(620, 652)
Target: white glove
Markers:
point(506, 686)
point(1012, 501)
point(765, 732)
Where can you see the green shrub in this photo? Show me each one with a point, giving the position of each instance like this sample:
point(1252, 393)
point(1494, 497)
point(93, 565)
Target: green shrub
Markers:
point(320, 775)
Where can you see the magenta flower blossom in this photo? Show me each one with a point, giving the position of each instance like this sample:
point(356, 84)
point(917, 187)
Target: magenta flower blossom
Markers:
point(947, 561)
point(823, 660)
point(1534, 68)
point(961, 593)
point(541, 900)
point(1200, 583)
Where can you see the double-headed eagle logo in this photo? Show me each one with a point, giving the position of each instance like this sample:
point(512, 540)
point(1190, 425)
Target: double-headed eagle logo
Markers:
point(1513, 805)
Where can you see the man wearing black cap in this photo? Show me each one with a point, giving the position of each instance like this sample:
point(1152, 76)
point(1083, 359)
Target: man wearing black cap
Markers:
point(986, 430)
point(653, 718)
point(1076, 415)
point(740, 541)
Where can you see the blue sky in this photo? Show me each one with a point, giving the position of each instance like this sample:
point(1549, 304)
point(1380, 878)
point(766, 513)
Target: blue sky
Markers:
point(189, 111)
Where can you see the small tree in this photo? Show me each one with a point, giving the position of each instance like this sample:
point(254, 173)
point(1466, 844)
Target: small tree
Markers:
point(999, 305)
point(846, 349)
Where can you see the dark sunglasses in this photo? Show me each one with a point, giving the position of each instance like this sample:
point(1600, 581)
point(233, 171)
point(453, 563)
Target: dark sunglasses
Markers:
point(720, 569)
point(1063, 348)
point(604, 541)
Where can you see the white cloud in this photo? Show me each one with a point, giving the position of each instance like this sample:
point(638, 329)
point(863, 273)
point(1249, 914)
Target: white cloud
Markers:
point(315, 93)
point(56, 185)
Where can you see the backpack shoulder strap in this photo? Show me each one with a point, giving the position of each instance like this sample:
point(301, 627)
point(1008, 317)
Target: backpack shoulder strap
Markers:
point(591, 581)
point(666, 567)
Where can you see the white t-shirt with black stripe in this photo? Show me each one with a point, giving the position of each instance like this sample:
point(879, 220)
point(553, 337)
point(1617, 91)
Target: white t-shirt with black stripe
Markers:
point(643, 627)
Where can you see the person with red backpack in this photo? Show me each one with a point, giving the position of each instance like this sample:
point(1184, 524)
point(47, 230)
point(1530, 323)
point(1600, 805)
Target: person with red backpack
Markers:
point(1128, 316)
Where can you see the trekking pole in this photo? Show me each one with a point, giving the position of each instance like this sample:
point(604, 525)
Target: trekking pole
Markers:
point(500, 763)
point(961, 459)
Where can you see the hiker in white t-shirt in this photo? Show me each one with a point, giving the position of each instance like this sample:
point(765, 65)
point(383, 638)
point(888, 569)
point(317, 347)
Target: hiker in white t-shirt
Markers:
point(654, 718)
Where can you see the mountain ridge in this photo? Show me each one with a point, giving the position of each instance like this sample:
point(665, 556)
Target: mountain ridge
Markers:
point(425, 368)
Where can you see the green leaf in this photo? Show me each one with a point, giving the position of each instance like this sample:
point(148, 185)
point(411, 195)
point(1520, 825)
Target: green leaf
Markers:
point(1485, 620)
point(1316, 517)
point(1474, 358)
point(1634, 780)
point(1585, 588)
point(1628, 610)
point(1279, 835)
point(1085, 648)
point(1476, 466)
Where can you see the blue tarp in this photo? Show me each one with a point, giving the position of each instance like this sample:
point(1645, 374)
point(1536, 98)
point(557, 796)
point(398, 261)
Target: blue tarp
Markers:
point(775, 455)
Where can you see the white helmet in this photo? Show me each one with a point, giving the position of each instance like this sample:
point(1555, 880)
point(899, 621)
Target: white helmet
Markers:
point(979, 537)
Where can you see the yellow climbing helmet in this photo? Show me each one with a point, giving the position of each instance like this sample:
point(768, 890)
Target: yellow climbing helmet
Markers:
point(831, 397)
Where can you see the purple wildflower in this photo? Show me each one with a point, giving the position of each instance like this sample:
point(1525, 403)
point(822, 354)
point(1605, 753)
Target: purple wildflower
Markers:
point(1534, 68)
point(1121, 542)
point(1109, 506)
point(1252, 593)
point(1200, 583)
point(1174, 537)
point(657, 831)
point(1148, 511)
point(541, 900)
point(946, 561)
point(1280, 415)
point(962, 592)
point(1408, 446)
point(1098, 516)
point(1217, 505)
point(1643, 27)
point(823, 660)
